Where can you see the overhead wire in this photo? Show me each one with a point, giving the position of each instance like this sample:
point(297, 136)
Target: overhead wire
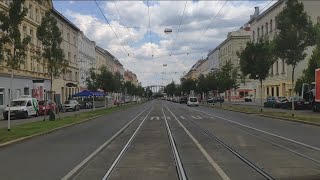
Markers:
point(174, 42)
point(150, 37)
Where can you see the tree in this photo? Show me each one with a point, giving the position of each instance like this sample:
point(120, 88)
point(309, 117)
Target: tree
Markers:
point(202, 85)
point(49, 34)
point(177, 92)
point(117, 82)
point(296, 34)
point(188, 84)
point(13, 48)
point(91, 80)
point(171, 88)
point(256, 60)
point(105, 80)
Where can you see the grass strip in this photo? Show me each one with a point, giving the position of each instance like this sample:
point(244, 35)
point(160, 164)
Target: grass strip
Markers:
point(287, 115)
point(33, 128)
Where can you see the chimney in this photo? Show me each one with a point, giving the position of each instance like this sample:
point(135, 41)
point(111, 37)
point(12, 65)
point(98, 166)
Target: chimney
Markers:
point(256, 11)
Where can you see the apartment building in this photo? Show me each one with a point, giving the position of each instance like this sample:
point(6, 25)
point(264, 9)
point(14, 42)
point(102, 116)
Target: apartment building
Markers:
point(213, 58)
point(264, 26)
point(32, 78)
point(118, 67)
point(67, 83)
point(194, 71)
point(104, 58)
point(87, 58)
point(131, 77)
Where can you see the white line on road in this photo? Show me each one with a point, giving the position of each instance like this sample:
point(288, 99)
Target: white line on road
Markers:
point(222, 174)
point(94, 153)
point(182, 117)
point(274, 135)
point(157, 118)
point(196, 117)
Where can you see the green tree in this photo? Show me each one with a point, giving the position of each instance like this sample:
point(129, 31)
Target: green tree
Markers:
point(91, 80)
point(117, 82)
point(256, 60)
point(105, 79)
point(188, 84)
point(203, 84)
point(49, 34)
point(171, 88)
point(177, 92)
point(296, 34)
point(13, 48)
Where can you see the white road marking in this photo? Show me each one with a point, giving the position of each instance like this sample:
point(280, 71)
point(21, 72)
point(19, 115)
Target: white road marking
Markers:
point(94, 153)
point(222, 174)
point(157, 118)
point(168, 117)
point(259, 130)
point(182, 117)
point(196, 117)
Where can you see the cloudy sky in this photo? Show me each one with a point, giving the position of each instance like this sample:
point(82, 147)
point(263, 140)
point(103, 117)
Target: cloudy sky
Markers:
point(150, 48)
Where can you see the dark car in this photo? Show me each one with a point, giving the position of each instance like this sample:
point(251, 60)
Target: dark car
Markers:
point(184, 100)
point(299, 103)
point(275, 102)
point(210, 100)
point(218, 100)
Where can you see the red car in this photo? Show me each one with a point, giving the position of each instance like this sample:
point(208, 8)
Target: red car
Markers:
point(44, 107)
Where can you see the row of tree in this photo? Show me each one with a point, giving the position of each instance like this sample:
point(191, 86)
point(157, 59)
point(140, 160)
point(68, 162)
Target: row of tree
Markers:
point(218, 81)
point(109, 82)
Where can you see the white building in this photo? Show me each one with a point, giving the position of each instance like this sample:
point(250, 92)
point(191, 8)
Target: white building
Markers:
point(87, 58)
point(213, 59)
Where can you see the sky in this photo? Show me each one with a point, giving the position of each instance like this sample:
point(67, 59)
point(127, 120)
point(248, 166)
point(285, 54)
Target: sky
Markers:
point(143, 47)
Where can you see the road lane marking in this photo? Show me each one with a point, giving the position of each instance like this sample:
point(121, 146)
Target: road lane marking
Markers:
point(259, 130)
point(157, 118)
point(182, 117)
point(222, 174)
point(196, 117)
point(94, 153)
point(122, 152)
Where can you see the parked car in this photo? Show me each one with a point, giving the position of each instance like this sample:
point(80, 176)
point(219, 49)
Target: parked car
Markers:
point(183, 99)
point(299, 103)
point(71, 105)
point(22, 108)
point(248, 98)
point(275, 102)
point(45, 106)
point(218, 100)
point(193, 101)
point(210, 100)
point(85, 105)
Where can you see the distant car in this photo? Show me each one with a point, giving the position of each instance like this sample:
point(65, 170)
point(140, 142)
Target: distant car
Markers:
point(275, 102)
point(218, 100)
point(71, 105)
point(193, 101)
point(45, 106)
point(210, 100)
point(299, 103)
point(248, 98)
point(183, 99)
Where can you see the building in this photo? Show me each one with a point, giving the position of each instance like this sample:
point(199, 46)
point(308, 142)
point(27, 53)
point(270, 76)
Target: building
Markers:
point(264, 26)
point(194, 71)
point(104, 58)
point(67, 83)
point(131, 77)
point(213, 58)
point(203, 68)
point(32, 78)
point(87, 58)
point(118, 67)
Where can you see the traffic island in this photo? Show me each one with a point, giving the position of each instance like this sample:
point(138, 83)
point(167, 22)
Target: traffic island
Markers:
point(287, 116)
point(23, 132)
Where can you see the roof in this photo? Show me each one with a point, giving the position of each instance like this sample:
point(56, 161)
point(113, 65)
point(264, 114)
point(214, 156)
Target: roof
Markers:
point(279, 2)
point(66, 20)
point(105, 52)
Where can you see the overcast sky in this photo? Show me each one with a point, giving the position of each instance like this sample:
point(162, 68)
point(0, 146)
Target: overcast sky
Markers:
point(130, 21)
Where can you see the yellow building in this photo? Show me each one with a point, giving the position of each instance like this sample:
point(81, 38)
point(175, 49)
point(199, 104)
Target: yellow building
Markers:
point(67, 84)
point(104, 58)
point(32, 76)
point(264, 26)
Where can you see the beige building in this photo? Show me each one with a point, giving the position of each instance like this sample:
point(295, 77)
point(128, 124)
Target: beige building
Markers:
point(264, 26)
point(104, 58)
point(194, 71)
point(67, 84)
point(32, 78)
point(131, 77)
point(118, 67)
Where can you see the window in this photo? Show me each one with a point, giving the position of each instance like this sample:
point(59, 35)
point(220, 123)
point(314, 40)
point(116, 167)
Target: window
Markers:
point(24, 29)
point(26, 91)
point(38, 68)
point(262, 28)
point(74, 40)
point(1, 96)
point(267, 27)
point(18, 93)
point(31, 35)
point(29, 103)
point(253, 36)
point(31, 64)
point(69, 56)
point(30, 11)
point(271, 71)
point(70, 75)
point(75, 58)
point(275, 23)
point(270, 25)
point(258, 31)
point(37, 15)
point(277, 67)
point(283, 66)
point(76, 76)
point(68, 37)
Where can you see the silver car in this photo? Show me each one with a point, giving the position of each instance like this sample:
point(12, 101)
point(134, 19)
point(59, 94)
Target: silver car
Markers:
point(71, 105)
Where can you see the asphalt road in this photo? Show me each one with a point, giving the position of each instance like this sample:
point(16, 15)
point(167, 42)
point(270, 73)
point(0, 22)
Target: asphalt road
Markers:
point(210, 144)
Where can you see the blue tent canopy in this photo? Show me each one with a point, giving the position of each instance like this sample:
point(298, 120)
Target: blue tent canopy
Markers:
point(87, 93)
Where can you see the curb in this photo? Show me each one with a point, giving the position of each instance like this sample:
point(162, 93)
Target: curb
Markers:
point(47, 132)
point(270, 116)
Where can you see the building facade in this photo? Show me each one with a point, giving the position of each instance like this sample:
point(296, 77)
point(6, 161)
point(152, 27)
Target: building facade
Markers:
point(213, 58)
point(118, 67)
point(67, 84)
point(131, 77)
point(32, 78)
point(104, 58)
point(264, 26)
point(87, 58)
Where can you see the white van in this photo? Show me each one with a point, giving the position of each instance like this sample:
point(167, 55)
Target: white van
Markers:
point(22, 108)
point(192, 101)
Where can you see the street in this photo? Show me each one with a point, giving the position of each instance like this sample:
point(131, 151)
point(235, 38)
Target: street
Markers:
point(165, 140)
